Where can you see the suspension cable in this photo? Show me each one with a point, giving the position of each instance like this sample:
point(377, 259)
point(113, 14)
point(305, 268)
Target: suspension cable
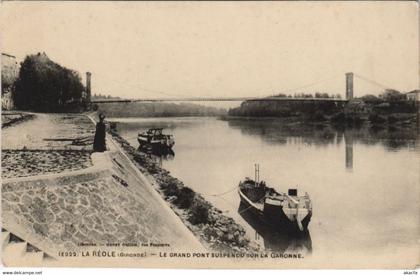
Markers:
point(147, 90)
point(311, 84)
point(371, 81)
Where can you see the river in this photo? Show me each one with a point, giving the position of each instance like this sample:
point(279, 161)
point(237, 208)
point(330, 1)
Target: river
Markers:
point(364, 183)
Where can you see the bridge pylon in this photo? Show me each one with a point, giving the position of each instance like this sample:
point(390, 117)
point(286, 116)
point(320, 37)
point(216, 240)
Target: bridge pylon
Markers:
point(88, 86)
point(349, 86)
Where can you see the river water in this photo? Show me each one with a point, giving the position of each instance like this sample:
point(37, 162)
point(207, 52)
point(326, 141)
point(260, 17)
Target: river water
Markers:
point(364, 183)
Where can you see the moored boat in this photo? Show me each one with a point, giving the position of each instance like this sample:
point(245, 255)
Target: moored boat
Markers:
point(274, 238)
point(155, 139)
point(289, 211)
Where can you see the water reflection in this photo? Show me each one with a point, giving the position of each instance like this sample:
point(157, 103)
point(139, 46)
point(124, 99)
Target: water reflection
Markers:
point(275, 131)
point(213, 155)
point(349, 151)
point(140, 124)
point(158, 154)
point(273, 238)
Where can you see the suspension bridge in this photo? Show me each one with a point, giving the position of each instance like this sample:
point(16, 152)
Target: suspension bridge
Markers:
point(195, 99)
point(349, 93)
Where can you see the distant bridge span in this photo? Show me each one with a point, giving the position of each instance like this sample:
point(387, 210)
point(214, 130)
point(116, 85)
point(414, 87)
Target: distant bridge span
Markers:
point(219, 99)
point(348, 94)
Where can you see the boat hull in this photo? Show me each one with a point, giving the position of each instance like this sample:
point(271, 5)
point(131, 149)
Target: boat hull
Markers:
point(275, 217)
point(276, 239)
point(157, 145)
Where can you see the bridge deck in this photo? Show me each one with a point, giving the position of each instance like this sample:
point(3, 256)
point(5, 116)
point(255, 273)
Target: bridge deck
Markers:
point(219, 99)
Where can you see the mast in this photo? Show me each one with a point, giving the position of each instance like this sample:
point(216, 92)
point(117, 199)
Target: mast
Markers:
point(257, 174)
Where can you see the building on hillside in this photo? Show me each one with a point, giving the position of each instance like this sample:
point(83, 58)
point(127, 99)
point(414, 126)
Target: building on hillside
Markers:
point(9, 74)
point(413, 95)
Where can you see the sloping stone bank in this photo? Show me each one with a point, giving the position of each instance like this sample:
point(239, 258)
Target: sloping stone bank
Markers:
point(215, 230)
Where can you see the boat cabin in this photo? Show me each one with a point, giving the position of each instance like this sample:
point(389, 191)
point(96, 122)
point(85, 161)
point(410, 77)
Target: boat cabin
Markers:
point(155, 131)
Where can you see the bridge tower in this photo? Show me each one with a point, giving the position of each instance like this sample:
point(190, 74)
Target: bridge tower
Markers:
point(88, 88)
point(349, 86)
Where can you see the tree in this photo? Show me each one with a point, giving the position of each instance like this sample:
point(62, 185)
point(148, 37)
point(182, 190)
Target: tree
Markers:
point(371, 99)
point(45, 86)
point(321, 95)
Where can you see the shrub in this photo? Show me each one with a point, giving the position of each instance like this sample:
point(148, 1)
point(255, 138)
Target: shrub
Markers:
point(338, 118)
point(139, 158)
point(185, 197)
point(152, 168)
point(358, 120)
point(354, 119)
point(162, 183)
point(199, 212)
point(171, 190)
point(392, 119)
point(376, 119)
point(318, 116)
point(371, 99)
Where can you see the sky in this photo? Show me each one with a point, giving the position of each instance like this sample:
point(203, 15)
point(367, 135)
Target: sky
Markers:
point(217, 49)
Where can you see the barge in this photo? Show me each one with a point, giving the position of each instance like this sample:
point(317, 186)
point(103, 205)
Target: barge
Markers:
point(290, 212)
point(154, 138)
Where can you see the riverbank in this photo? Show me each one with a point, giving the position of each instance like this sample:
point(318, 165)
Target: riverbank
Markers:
point(215, 230)
point(356, 113)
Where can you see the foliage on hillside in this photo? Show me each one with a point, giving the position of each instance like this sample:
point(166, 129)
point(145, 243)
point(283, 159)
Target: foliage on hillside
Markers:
point(157, 109)
point(390, 107)
point(285, 109)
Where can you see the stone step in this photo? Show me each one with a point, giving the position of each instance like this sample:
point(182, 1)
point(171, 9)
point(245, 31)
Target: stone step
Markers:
point(32, 259)
point(13, 253)
point(17, 252)
point(48, 259)
point(5, 237)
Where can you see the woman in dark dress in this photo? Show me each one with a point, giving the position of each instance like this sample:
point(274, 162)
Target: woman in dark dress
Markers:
point(99, 141)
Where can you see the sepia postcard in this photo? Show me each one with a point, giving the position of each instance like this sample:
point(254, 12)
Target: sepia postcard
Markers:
point(269, 135)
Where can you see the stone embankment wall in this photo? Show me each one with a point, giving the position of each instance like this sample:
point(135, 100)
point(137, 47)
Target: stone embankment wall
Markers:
point(92, 208)
point(106, 203)
point(215, 230)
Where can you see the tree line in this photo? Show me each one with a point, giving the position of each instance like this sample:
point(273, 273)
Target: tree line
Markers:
point(309, 95)
point(387, 95)
point(390, 106)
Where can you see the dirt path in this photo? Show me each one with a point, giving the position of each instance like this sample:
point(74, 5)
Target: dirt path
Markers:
point(47, 131)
